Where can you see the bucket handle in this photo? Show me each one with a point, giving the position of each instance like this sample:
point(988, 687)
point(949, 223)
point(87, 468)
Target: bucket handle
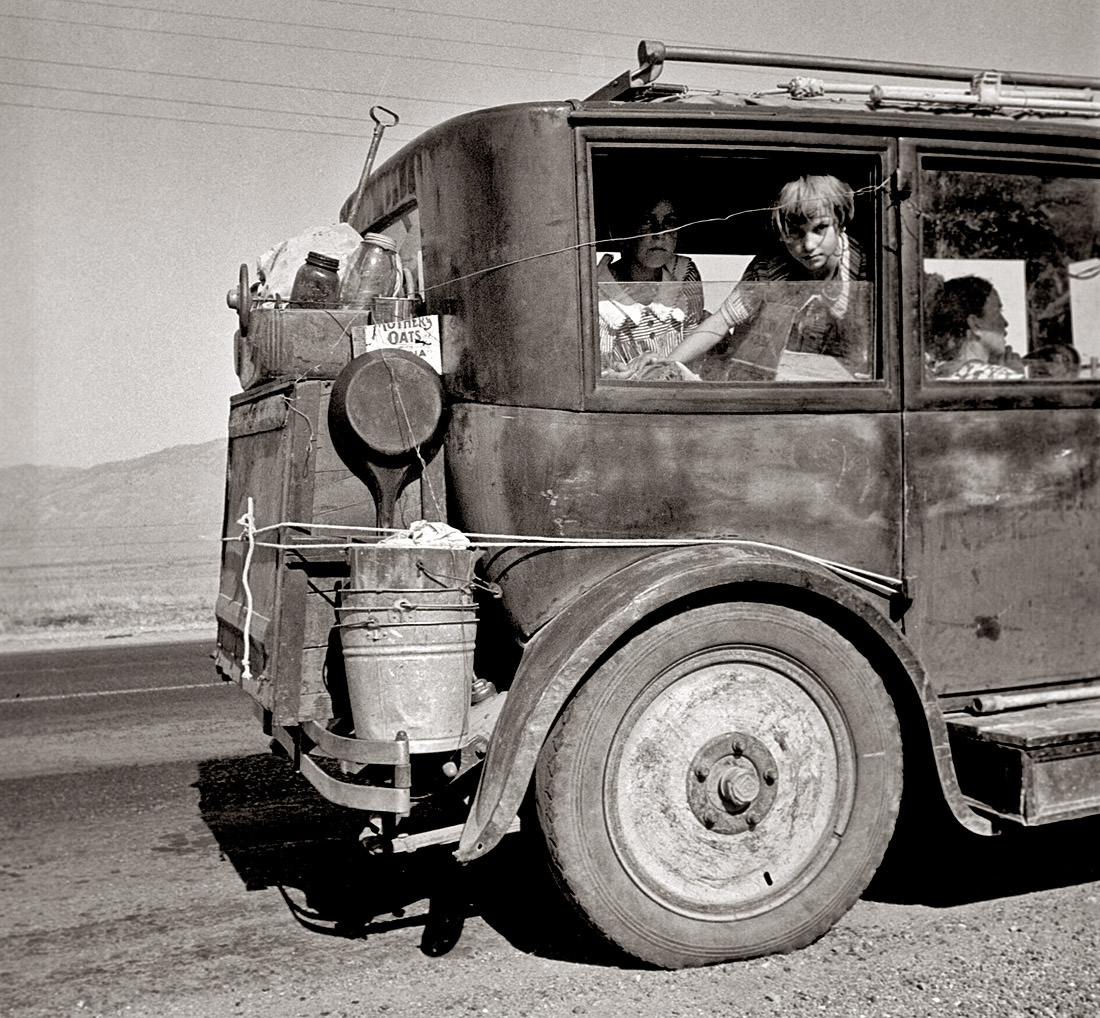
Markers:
point(473, 584)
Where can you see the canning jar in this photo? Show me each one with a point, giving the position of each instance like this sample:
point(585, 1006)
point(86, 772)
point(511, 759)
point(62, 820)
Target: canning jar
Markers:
point(316, 284)
point(373, 270)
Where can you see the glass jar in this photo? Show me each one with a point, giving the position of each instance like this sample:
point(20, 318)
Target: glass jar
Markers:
point(316, 284)
point(373, 270)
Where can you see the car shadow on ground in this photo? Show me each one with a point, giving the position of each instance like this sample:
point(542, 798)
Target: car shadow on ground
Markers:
point(277, 831)
point(935, 862)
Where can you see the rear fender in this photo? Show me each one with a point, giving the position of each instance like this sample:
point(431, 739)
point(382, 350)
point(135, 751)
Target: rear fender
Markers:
point(560, 655)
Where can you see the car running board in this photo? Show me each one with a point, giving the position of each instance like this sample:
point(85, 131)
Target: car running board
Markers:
point(1032, 766)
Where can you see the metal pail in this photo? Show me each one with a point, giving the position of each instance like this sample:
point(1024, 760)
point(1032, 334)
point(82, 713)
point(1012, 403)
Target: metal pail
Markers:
point(408, 622)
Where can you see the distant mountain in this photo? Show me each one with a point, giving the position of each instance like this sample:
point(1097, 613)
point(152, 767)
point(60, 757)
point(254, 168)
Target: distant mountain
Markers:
point(168, 503)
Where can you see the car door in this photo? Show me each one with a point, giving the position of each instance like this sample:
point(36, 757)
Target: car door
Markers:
point(1002, 460)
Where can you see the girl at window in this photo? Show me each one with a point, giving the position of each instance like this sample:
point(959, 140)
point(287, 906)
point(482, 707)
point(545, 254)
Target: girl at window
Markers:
point(811, 272)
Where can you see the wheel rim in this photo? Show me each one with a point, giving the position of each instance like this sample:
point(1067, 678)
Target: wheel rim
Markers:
point(729, 783)
point(244, 299)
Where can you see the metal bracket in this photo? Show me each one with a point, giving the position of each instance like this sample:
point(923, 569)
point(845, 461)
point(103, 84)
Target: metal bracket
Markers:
point(375, 798)
point(902, 600)
point(343, 793)
point(405, 842)
point(987, 87)
point(394, 753)
point(629, 83)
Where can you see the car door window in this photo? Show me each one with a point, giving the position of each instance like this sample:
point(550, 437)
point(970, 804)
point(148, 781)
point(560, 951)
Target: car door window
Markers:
point(1011, 272)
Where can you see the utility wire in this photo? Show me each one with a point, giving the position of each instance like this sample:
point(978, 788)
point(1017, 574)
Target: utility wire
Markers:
point(241, 81)
point(573, 30)
point(200, 102)
point(338, 28)
point(189, 120)
point(480, 64)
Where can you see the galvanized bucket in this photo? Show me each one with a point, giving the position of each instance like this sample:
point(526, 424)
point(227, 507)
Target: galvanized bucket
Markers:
point(408, 622)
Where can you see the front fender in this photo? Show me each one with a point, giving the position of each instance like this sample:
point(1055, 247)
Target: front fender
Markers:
point(560, 655)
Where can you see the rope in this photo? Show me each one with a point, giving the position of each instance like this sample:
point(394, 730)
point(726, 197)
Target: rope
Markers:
point(880, 583)
point(309, 424)
point(345, 328)
point(248, 522)
point(805, 88)
point(871, 188)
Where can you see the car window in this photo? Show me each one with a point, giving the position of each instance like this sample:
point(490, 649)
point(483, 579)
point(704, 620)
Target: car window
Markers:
point(1011, 262)
point(736, 266)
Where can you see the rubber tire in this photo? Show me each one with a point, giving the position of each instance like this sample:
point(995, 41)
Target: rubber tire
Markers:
point(576, 787)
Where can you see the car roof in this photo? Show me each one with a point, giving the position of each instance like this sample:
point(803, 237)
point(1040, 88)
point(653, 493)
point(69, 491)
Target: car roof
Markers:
point(841, 87)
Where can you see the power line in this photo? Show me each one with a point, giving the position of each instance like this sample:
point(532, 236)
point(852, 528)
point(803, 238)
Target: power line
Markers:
point(480, 64)
point(200, 102)
point(480, 17)
point(187, 120)
point(240, 81)
point(341, 28)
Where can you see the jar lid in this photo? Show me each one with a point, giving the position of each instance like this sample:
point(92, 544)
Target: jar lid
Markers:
point(324, 261)
point(381, 240)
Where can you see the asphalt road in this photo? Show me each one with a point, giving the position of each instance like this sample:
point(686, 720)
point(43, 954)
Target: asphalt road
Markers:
point(157, 860)
point(117, 705)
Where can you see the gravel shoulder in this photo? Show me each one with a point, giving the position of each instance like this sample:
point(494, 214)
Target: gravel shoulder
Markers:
point(227, 887)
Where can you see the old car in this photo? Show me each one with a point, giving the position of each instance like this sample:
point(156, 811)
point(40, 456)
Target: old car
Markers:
point(718, 618)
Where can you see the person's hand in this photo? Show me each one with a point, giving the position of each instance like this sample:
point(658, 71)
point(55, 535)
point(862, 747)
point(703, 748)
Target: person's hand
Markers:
point(1013, 360)
point(653, 367)
point(661, 369)
point(642, 363)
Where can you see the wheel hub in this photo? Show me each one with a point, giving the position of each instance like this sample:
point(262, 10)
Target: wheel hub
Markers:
point(732, 783)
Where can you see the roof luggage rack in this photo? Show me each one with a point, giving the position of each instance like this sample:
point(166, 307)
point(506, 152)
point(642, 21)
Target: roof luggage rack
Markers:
point(986, 90)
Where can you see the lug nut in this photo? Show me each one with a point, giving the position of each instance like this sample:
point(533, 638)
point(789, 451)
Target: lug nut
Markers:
point(738, 748)
point(752, 820)
point(769, 777)
point(701, 772)
point(709, 820)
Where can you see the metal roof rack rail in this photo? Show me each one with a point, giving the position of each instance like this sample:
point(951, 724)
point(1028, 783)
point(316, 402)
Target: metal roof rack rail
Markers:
point(986, 88)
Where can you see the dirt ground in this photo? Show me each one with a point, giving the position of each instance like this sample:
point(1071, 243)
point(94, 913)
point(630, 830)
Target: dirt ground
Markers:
point(202, 877)
point(227, 887)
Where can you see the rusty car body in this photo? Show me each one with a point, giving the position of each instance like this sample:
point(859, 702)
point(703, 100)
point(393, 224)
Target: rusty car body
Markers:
point(716, 616)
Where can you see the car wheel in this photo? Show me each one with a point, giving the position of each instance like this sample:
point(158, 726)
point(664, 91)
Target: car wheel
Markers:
point(723, 786)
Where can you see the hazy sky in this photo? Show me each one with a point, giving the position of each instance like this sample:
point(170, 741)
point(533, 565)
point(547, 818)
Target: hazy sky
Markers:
point(147, 149)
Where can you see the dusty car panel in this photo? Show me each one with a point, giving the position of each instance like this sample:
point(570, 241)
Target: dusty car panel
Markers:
point(825, 486)
point(1003, 545)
